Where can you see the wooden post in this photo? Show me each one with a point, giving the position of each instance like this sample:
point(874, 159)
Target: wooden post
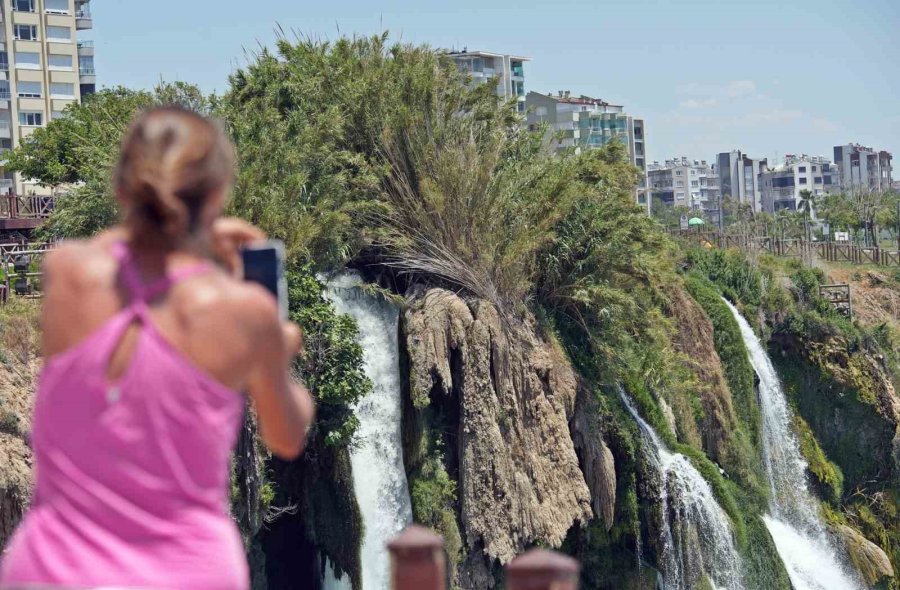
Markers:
point(417, 560)
point(542, 570)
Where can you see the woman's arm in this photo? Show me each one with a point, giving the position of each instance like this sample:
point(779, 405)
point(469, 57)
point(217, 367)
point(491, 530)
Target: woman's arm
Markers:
point(284, 407)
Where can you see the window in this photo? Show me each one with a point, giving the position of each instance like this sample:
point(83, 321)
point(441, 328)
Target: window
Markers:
point(28, 89)
point(31, 119)
point(25, 32)
point(817, 180)
point(28, 60)
point(57, 115)
point(827, 180)
point(695, 183)
point(678, 173)
point(23, 5)
point(4, 90)
point(679, 183)
point(62, 90)
point(57, 6)
point(802, 180)
point(680, 195)
point(59, 62)
point(814, 169)
point(802, 169)
point(59, 34)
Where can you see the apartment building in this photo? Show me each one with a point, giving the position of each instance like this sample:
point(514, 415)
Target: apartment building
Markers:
point(739, 177)
point(583, 122)
point(782, 186)
point(508, 71)
point(682, 182)
point(43, 69)
point(862, 167)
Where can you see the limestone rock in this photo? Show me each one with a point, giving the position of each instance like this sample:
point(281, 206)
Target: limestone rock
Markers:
point(871, 561)
point(519, 478)
point(17, 383)
point(597, 461)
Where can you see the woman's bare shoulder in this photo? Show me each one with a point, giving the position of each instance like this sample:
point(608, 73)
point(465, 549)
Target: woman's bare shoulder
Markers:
point(229, 300)
point(81, 262)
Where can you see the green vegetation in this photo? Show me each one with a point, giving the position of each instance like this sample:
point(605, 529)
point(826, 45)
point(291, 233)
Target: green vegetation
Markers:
point(75, 153)
point(826, 475)
point(379, 154)
point(433, 497)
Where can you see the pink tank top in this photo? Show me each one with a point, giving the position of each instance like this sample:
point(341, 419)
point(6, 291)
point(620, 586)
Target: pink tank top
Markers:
point(132, 476)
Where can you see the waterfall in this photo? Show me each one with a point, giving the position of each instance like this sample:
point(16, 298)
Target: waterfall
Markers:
point(696, 536)
point(811, 559)
point(379, 477)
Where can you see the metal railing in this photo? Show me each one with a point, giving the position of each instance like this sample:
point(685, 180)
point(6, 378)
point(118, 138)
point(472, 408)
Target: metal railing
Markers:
point(86, 71)
point(5, 95)
point(27, 207)
point(4, 66)
point(85, 43)
point(83, 12)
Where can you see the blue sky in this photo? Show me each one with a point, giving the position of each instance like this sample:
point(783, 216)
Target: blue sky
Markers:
point(766, 76)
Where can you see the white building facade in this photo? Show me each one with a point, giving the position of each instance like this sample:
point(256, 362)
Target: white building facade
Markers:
point(863, 167)
point(739, 177)
point(508, 71)
point(681, 182)
point(782, 187)
point(43, 69)
point(583, 122)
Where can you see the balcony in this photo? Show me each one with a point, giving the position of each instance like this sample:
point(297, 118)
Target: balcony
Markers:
point(85, 48)
point(87, 75)
point(83, 19)
point(5, 94)
point(5, 131)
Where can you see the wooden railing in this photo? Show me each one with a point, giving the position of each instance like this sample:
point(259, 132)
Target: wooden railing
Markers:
point(794, 247)
point(27, 207)
point(418, 563)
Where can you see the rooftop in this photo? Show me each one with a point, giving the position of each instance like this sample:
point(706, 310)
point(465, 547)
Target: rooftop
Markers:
point(466, 53)
point(566, 97)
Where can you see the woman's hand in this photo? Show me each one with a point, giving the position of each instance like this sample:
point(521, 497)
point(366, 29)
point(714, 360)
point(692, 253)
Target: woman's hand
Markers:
point(229, 235)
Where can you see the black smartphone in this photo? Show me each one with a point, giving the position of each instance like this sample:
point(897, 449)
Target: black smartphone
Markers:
point(264, 264)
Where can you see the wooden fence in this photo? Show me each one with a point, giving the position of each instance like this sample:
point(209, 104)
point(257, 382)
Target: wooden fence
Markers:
point(794, 247)
point(418, 563)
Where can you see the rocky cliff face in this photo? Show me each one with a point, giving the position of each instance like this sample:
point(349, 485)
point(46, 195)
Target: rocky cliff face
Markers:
point(17, 383)
point(519, 481)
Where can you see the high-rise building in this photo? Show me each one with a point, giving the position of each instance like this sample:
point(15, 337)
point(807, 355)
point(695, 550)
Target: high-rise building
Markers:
point(508, 70)
point(863, 167)
point(739, 177)
point(682, 182)
point(582, 122)
point(782, 186)
point(43, 69)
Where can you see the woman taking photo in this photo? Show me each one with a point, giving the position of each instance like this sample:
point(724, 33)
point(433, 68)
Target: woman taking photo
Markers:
point(148, 343)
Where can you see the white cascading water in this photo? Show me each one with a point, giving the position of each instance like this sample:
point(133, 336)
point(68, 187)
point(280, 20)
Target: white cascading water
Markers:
point(379, 477)
point(696, 536)
point(812, 560)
